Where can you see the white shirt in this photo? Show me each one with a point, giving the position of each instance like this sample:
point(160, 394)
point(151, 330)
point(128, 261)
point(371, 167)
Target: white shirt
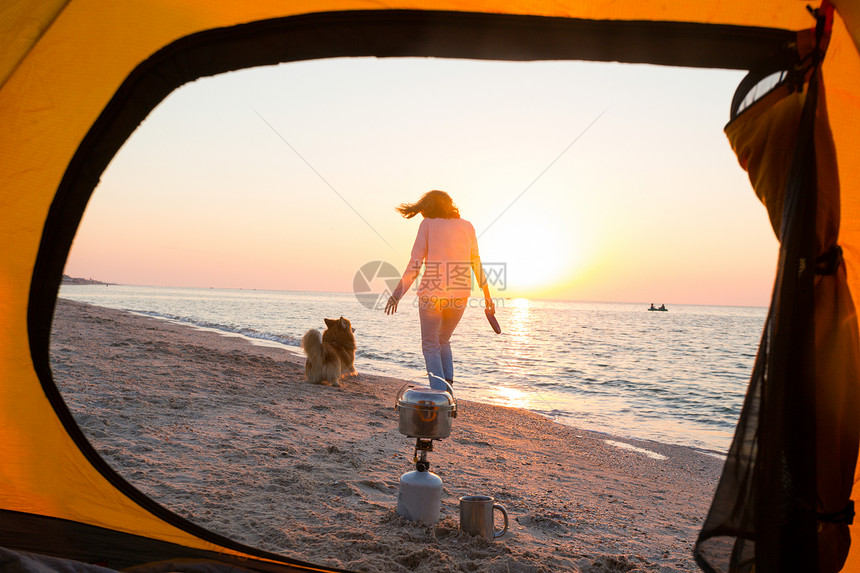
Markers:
point(448, 249)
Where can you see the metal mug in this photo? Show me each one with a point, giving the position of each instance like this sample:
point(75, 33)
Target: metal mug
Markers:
point(476, 516)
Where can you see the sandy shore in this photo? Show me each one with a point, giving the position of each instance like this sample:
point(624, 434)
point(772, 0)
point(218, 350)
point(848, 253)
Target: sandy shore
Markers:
point(229, 435)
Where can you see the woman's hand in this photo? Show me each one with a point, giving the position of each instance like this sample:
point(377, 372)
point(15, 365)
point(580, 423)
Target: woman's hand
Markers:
point(391, 305)
point(490, 305)
point(488, 300)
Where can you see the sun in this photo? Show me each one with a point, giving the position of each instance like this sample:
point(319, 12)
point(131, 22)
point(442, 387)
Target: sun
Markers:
point(519, 303)
point(538, 252)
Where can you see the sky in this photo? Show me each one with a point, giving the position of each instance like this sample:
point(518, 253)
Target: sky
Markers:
point(584, 181)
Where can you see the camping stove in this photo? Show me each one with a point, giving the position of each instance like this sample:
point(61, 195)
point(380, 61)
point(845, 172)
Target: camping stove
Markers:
point(426, 415)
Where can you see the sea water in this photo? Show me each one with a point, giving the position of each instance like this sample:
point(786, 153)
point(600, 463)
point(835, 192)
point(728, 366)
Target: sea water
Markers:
point(676, 377)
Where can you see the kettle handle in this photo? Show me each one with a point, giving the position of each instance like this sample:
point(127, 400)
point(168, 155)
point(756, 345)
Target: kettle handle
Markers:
point(402, 391)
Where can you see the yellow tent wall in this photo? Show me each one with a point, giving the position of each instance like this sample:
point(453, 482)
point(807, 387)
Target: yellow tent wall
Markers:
point(62, 64)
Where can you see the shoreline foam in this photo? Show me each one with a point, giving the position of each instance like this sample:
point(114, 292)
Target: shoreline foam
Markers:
point(229, 435)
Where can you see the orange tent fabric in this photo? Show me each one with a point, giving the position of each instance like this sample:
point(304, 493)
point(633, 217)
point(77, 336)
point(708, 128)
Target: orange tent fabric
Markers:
point(77, 77)
point(767, 137)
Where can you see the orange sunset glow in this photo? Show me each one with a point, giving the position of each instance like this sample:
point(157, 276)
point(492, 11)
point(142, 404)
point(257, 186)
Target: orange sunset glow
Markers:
point(272, 178)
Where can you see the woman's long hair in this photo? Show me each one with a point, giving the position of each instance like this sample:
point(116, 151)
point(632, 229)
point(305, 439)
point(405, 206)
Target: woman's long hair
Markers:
point(432, 205)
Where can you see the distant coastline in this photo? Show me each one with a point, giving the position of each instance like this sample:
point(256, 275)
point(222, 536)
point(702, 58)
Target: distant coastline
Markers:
point(67, 280)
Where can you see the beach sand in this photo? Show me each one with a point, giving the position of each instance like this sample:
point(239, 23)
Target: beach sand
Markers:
point(229, 435)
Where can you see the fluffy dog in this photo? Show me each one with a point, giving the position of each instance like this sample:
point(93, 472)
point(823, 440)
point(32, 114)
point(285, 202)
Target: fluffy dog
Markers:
point(331, 355)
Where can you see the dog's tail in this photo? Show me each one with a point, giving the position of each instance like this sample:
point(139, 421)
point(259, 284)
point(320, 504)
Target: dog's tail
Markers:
point(312, 343)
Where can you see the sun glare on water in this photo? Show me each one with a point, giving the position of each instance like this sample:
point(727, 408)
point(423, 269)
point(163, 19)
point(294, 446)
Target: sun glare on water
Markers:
point(511, 397)
point(518, 323)
point(519, 303)
point(515, 352)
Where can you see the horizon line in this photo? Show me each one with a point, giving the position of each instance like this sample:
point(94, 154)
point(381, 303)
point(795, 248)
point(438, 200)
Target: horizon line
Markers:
point(95, 282)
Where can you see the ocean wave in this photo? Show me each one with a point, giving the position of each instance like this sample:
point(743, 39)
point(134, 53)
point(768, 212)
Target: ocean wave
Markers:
point(284, 339)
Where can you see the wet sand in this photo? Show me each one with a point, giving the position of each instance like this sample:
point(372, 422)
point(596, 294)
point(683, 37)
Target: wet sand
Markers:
point(229, 435)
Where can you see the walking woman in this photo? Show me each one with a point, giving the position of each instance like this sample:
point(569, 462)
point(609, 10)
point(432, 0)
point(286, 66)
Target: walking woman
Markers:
point(447, 247)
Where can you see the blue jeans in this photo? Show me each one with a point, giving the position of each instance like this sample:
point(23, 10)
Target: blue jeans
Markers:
point(439, 318)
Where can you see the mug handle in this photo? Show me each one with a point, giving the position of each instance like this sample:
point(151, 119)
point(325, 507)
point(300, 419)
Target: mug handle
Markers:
point(505, 514)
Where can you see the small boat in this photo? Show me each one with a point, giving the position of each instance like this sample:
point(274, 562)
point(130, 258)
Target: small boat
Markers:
point(662, 308)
